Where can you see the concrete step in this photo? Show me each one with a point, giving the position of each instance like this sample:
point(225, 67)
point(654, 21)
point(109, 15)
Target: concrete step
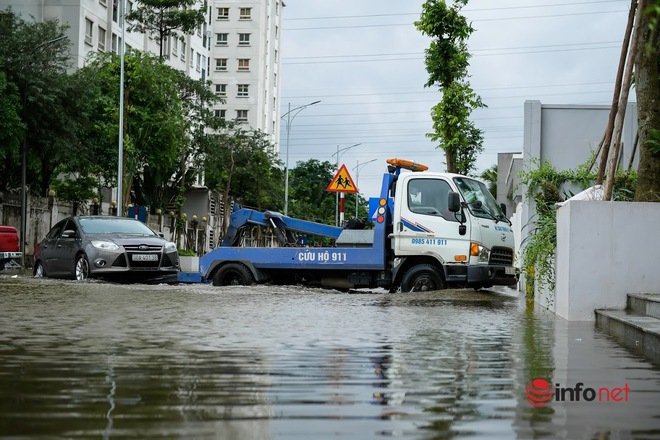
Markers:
point(644, 304)
point(637, 331)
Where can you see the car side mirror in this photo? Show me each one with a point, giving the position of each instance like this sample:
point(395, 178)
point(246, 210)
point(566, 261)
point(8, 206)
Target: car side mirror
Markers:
point(161, 235)
point(69, 233)
point(503, 208)
point(453, 201)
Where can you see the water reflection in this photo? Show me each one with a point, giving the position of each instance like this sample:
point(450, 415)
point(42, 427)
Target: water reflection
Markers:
point(96, 360)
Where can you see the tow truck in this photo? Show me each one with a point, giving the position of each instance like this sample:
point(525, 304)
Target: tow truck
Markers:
point(431, 231)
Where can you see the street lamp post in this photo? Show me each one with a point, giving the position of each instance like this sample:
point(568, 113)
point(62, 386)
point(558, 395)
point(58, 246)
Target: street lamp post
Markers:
point(357, 182)
point(342, 151)
point(289, 120)
point(24, 158)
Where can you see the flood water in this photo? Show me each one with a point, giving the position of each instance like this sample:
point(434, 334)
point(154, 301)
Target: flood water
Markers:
point(97, 360)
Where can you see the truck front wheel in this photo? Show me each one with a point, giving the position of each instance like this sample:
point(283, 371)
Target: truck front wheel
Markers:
point(422, 278)
point(233, 274)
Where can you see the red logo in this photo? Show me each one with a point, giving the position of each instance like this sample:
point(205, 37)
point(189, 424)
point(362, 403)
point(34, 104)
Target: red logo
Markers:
point(539, 392)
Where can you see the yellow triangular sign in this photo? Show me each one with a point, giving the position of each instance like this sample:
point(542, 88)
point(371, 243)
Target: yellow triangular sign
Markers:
point(342, 182)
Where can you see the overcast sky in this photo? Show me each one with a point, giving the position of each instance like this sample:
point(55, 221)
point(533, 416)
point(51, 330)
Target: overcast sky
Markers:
point(364, 60)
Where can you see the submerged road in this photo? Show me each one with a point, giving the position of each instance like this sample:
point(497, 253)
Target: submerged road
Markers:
point(98, 360)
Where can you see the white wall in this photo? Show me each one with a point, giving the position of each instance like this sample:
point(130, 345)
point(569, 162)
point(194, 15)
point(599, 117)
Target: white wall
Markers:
point(605, 250)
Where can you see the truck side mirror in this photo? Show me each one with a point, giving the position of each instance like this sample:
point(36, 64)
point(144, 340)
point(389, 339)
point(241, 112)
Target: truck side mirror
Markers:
point(453, 201)
point(503, 208)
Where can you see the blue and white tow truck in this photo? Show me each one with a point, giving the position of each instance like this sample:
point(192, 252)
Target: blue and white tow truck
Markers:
point(432, 231)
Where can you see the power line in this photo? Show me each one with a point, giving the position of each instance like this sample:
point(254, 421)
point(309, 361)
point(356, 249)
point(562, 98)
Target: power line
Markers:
point(340, 17)
point(474, 20)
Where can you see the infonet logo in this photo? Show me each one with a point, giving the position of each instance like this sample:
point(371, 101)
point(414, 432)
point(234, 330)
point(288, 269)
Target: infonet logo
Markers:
point(540, 393)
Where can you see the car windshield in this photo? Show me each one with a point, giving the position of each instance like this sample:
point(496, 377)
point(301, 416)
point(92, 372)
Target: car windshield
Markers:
point(478, 199)
point(102, 225)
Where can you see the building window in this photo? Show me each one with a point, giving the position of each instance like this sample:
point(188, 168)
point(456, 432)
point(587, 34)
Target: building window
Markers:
point(277, 8)
point(115, 10)
point(222, 114)
point(223, 14)
point(175, 46)
point(183, 51)
point(243, 39)
point(244, 64)
point(277, 31)
point(221, 39)
point(274, 79)
point(221, 89)
point(241, 115)
point(275, 54)
point(102, 34)
point(198, 65)
point(192, 56)
point(221, 64)
point(115, 43)
point(243, 90)
point(245, 14)
point(89, 27)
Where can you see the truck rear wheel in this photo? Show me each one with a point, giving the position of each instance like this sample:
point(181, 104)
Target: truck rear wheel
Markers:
point(233, 274)
point(422, 278)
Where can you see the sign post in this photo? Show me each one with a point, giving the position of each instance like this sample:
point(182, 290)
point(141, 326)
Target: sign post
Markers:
point(342, 183)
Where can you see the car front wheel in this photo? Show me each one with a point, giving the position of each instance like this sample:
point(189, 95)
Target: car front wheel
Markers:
point(81, 272)
point(39, 271)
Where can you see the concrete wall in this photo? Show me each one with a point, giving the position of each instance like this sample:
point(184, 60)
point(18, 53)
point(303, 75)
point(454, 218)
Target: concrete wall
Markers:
point(605, 250)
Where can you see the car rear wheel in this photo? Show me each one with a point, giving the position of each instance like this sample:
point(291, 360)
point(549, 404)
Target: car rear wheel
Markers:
point(81, 272)
point(39, 271)
point(233, 274)
point(422, 278)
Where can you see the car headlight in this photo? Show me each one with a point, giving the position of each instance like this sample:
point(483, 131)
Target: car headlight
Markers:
point(170, 247)
point(477, 250)
point(105, 245)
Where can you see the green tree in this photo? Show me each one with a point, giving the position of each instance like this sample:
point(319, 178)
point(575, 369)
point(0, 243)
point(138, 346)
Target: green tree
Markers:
point(11, 128)
point(34, 59)
point(647, 84)
point(308, 198)
point(447, 61)
point(165, 18)
point(490, 176)
point(242, 165)
point(154, 117)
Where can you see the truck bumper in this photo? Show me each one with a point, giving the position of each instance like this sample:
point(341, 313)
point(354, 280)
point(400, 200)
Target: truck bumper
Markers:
point(491, 275)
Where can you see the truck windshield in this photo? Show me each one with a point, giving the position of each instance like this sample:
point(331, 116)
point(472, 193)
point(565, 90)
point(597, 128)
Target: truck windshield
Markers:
point(479, 200)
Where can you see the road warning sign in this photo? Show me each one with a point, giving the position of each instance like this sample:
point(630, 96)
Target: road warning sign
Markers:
point(342, 182)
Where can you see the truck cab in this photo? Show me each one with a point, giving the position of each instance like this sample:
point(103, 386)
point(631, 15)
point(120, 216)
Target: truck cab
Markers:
point(471, 241)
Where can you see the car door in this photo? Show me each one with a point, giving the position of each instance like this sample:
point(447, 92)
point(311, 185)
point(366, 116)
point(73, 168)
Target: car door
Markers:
point(66, 249)
point(423, 223)
point(48, 248)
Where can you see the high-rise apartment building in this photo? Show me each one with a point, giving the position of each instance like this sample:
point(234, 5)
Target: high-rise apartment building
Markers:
point(244, 61)
point(237, 48)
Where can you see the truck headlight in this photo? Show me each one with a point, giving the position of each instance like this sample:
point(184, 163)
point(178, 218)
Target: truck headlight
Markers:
point(477, 250)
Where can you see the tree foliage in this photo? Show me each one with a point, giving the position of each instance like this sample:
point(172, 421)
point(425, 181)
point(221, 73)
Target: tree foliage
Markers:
point(34, 59)
point(165, 18)
point(447, 62)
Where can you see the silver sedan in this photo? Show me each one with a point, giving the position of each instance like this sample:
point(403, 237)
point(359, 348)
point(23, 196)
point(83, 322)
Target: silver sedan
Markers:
point(117, 248)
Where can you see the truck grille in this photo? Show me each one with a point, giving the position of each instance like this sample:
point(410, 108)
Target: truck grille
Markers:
point(501, 256)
